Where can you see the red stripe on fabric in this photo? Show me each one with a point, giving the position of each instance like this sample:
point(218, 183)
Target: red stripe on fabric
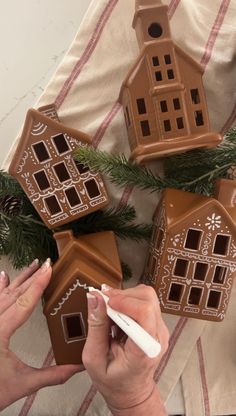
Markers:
point(214, 32)
point(172, 7)
point(125, 196)
point(87, 401)
point(87, 52)
point(203, 378)
point(173, 339)
point(104, 125)
point(30, 399)
point(229, 121)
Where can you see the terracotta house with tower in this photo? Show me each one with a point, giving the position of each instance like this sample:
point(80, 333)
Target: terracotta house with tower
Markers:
point(192, 258)
point(60, 189)
point(89, 260)
point(163, 96)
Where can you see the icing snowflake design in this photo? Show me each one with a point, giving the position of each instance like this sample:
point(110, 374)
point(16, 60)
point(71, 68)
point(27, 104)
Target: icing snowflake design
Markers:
point(214, 222)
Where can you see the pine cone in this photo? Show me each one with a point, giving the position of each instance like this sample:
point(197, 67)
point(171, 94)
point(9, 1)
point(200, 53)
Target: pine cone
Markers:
point(10, 205)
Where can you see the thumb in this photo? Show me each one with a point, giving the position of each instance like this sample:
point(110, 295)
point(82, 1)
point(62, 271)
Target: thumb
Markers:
point(97, 344)
point(50, 376)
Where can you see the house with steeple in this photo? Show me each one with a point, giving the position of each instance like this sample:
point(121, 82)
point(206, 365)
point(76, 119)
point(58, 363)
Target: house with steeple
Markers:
point(163, 95)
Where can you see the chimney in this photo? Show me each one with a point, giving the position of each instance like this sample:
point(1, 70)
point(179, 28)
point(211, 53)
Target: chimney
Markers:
point(225, 192)
point(62, 239)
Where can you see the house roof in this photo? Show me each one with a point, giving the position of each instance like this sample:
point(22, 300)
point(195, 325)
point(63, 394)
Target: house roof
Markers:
point(182, 207)
point(93, 257)
point(33, 118)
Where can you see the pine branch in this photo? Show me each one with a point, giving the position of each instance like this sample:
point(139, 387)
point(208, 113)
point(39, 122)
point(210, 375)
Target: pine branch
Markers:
point(9, 186)
point(120, 221)
point(120, 171)
point(193, 171)
point(207, 159)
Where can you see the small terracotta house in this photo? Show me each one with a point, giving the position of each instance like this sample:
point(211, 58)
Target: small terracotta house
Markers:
point(192, 258)
point(163, 96)
point(60, 189)
point(89, 260)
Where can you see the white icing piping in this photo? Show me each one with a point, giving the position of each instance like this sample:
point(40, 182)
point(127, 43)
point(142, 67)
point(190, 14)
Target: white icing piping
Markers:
point(68, 294)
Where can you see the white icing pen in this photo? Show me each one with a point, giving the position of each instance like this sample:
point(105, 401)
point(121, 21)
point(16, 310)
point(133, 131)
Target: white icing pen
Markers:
point(139, 336)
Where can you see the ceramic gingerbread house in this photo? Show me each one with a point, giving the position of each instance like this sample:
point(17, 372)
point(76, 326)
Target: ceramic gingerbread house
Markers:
point(163, 96)
point(192, 258)
point(60, 189)
point(89, 260)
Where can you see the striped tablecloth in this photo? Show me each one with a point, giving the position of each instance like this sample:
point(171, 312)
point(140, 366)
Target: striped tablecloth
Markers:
point(85, 88)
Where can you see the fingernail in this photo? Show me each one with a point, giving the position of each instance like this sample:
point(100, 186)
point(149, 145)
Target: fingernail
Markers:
point(92, 301)
point(105, 288)
point(2, 275)
point(35, 262)
point(45, 266)
point(114, 331)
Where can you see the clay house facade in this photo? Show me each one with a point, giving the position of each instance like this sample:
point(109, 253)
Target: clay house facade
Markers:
point(192, 258)
point(163, 96)
point(89, 260)
point(60, 189)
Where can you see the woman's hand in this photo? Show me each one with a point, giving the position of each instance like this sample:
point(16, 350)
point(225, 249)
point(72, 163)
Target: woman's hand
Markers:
point(120, 370)
point(17, 301)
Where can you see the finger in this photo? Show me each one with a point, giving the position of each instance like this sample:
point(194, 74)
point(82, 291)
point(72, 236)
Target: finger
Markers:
point(142, 292)
point(51, 376)
point(25, 274)
point(24, 305)
point(10, 294)
point(4, 281)
point(98, 334)
point(146, 313)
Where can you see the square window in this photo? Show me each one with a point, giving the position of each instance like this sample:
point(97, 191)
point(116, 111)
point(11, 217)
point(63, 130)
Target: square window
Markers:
point(199, 118)
point(180, 123)
point(195, 96)
point(176, 292)
point(170, 74)
point(221, 245)
point(167, 59)
point(72, 196)
point(155, 61)
point(92, 188)
point(158, 76)
point(163, 105)
point(141, 106)
point(73, 327)
point(61, 143)
point(200, 271)
point(145, 128)
point(219, 275)
point(167, 125)
point(41, 151)
point(213, 299)
point(61, 172)
point(195, 296)
point(153, 266)
point(53, 205)
point(181, 267)
point(176, 104)
point(193, 239)
point(42, 180)
point(81, 168)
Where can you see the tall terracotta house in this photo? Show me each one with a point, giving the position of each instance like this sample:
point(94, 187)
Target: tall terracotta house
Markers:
point(192, 258)
point(163, 95)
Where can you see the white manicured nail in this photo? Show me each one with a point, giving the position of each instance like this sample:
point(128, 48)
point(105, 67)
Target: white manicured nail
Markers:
point(45, 266)
point(2, 276)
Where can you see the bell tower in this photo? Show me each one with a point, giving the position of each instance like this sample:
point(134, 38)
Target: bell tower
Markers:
point(151, 21)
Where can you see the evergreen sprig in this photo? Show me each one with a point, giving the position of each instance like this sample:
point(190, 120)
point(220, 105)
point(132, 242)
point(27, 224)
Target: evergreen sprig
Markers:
point(193, 171)
point(120, 171)
point(25, 237)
